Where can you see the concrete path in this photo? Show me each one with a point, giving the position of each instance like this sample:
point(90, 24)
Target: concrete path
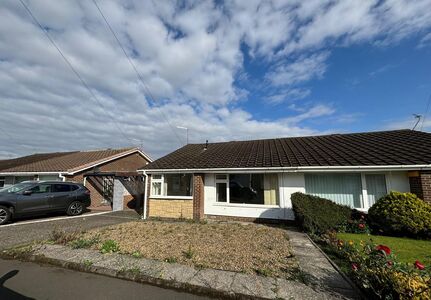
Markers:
point(41, 228)
point(210, 282)
point(25, 280)
point(314, 263)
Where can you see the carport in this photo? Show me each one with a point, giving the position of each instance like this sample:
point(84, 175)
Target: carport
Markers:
point(120, 190)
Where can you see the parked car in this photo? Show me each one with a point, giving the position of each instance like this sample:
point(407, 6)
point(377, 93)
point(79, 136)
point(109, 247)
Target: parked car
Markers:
point(31, 198)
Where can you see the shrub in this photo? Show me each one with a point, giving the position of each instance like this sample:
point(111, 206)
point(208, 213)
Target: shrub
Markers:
point(317, 215)
point(109, 246)
point(401, 214)
point(356, 224)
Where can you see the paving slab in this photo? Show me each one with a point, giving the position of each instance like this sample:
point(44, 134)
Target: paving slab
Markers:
point(321, 271)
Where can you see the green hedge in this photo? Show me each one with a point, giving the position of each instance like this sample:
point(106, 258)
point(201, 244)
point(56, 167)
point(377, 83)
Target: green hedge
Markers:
point(401, 214)
point(317, 215)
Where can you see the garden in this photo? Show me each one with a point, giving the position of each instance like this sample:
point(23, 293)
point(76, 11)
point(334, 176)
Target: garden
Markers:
point(386, 252)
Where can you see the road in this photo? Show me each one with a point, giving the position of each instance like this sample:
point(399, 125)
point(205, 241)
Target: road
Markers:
point(26, 231)
point(25, 280)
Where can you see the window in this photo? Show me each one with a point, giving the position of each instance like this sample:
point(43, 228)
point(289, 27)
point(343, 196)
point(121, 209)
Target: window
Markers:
point(61, 188)
point(376, 187)
point(172, 185)
point(49, 178)
point(345, 189)
point(260, 189)
point(2, 180)
point(41, 188)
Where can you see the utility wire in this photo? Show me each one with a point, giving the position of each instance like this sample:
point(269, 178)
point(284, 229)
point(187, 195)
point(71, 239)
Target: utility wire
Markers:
point(139, 75)
point(74, 70)
point(426, 112)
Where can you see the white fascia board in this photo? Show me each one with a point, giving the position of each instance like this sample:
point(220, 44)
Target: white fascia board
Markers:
point(293, 169)
point(30, 173)
point(111, 159)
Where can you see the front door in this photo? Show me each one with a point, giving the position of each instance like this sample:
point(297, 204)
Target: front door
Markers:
point(34, 200)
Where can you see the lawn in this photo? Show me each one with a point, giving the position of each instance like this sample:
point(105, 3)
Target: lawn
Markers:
point(248, 248)
point(407, 250)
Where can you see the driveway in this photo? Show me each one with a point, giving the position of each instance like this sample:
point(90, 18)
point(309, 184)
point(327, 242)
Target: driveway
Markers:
point(26, 231)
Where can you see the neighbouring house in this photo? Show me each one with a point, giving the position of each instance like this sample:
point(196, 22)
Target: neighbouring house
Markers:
point(255, 179)
point(97, 169)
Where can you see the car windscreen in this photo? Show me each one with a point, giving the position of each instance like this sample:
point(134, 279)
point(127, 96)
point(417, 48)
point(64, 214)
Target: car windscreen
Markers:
point(19, 187)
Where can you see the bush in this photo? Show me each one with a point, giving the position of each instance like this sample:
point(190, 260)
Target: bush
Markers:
point(317, 215)
point(401, 214)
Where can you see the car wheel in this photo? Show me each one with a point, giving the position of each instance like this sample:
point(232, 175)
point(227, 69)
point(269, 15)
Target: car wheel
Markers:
point(4, 215)
point(75, 208)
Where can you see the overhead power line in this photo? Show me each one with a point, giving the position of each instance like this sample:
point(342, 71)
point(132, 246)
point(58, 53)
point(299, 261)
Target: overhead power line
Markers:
point(138, 74)
point(74, 70)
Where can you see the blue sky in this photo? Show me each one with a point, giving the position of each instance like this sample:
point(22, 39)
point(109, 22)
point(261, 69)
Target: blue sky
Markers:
point(371, 87)
point(226, 70)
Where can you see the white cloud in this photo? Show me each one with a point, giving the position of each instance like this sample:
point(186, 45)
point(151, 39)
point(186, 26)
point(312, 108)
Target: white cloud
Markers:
point(190, 57)
point(303, 69)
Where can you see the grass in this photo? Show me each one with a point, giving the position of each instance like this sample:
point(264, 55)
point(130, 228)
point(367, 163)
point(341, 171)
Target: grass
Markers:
point(407, 250)
point(246, 248)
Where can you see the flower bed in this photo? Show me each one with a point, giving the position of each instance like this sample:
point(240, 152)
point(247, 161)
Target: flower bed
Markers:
point(377, 271)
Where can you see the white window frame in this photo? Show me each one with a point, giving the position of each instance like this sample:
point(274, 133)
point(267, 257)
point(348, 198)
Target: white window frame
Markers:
point(161, 180)
point(226, 180)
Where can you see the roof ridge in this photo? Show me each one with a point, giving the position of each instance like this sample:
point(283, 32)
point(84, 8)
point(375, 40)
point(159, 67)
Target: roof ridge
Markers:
point(311, 136)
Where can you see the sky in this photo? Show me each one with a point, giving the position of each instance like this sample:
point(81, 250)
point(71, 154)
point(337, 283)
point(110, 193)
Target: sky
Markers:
point(226, 70)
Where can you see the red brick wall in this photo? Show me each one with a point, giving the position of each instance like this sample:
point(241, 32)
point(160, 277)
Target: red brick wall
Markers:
point(129, 163)
point(198, 196)
point(420, 184)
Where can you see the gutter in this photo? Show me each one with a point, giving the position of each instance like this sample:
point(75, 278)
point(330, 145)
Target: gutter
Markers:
point(294, 169)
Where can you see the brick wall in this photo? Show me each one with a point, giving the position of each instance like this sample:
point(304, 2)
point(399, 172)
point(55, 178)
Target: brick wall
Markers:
point(129, 163)
point(170, 208)
point(420, 184)
point(198, 196)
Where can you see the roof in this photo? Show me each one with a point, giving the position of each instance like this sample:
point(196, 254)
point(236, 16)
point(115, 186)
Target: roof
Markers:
point(65, 162)
point(382, 148)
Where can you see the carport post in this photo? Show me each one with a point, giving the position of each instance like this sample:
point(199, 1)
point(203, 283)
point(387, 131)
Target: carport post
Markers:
point(118, 195)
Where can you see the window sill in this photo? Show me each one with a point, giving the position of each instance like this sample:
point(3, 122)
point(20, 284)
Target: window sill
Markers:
point(246, 205)
point(172, 197)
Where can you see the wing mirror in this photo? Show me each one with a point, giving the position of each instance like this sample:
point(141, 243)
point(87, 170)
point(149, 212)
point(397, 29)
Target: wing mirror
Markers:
point(27, 193)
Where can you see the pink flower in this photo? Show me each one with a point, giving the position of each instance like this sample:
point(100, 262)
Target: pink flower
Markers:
point(390, 263)
point(384, 249)
point(419, 265)
point(355, 267)
point(361, 225)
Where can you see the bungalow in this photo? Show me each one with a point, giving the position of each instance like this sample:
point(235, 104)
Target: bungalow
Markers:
point(96, 169)
point(255, 179)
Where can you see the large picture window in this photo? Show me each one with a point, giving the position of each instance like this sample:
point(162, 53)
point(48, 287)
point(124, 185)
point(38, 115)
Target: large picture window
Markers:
point(172, 185)
point(260, 189)
point(345, 189)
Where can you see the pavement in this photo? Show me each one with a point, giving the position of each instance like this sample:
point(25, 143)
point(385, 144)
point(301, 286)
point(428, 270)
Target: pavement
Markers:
point(28, 230)
point(26, 280)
